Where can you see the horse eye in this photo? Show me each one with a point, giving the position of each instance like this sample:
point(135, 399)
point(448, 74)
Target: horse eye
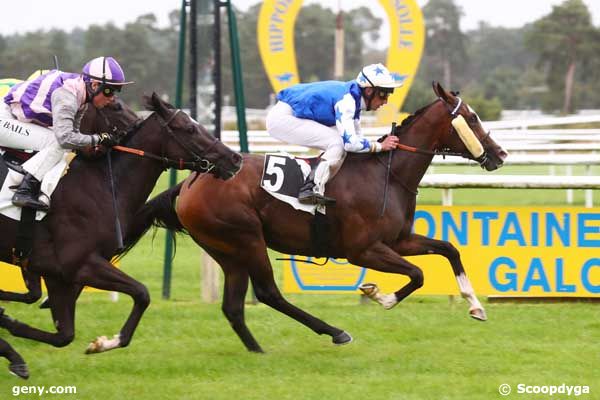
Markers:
point(191, 129)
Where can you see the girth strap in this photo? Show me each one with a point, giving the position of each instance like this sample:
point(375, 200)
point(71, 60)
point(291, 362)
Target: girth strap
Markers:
point(24, 240)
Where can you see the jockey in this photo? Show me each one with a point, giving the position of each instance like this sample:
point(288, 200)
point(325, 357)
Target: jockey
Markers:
point(326, 116)
point(56, 100)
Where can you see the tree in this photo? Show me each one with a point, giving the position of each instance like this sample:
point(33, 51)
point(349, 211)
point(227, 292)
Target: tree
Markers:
point(563, 40)
point(445, 43)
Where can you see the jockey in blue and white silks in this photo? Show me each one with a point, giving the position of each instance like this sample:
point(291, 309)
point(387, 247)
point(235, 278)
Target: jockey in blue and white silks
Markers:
point(44, 114)
point(326, 116)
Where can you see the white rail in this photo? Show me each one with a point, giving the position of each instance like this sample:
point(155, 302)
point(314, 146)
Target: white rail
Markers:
point(447, 182)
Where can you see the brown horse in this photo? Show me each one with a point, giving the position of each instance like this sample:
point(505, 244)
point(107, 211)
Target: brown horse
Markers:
point(235, 221)
point(75, 241)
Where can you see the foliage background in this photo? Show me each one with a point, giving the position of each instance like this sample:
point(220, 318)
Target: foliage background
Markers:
point(529, 67)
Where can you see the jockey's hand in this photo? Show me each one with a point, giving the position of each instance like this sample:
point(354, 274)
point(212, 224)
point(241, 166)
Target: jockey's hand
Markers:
point(390, 143)
point(107, 140)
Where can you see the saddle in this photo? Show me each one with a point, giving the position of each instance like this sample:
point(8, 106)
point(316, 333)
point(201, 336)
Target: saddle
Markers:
point(284, 174)
point(282, 177)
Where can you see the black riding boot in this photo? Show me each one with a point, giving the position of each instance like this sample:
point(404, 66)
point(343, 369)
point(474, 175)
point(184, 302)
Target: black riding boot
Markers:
point(307, 194)
point(27, 194)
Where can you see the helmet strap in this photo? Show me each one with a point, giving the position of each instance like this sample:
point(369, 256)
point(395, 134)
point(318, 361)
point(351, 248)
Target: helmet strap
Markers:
point(93, 93)
point(369, 99)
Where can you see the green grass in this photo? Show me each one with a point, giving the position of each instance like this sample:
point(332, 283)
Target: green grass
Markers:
point(425, 348)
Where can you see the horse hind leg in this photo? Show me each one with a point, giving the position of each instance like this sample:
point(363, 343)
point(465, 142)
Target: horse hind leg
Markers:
point(267, 292)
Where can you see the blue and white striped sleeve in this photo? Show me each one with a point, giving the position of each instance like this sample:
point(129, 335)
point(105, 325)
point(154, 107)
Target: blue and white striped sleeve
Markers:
point(349, 127)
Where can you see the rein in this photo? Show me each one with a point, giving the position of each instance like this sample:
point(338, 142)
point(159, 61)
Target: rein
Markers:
point(202, 165)
point(198, 164)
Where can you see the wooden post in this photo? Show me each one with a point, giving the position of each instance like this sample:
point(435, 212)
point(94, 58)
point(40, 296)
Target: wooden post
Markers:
point(210, 279)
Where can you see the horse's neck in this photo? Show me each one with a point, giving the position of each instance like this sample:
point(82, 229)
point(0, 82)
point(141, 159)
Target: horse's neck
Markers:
point(412, 166)
point(135, 176)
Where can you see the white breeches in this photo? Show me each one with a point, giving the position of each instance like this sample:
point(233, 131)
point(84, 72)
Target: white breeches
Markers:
point(27, 136)
point(284, 126)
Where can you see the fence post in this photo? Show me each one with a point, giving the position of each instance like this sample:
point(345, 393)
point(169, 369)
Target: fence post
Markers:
point(168, 260)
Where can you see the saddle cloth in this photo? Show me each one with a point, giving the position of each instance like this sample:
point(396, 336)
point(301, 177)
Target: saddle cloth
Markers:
point(10, 177)
point(282, 177)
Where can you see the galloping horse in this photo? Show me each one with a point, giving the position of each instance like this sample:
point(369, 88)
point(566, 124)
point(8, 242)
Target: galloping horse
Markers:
point(74, 242)
point(237, 220)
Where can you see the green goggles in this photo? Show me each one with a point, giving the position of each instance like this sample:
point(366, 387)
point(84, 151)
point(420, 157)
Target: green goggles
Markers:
point(109, 91)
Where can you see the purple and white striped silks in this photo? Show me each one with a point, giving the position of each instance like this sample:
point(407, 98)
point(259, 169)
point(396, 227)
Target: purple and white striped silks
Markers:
point(30, 101)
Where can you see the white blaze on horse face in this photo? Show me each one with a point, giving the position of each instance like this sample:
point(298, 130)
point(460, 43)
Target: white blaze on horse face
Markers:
point(467, 136)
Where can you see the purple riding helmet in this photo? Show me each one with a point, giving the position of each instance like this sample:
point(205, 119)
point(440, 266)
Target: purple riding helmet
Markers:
point(106, 71)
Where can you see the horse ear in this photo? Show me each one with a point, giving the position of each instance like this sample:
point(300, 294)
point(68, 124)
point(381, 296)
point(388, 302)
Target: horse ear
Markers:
point(440, 91)
point(155, 103)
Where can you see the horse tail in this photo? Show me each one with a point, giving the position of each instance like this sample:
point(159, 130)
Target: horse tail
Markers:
point(158, 212)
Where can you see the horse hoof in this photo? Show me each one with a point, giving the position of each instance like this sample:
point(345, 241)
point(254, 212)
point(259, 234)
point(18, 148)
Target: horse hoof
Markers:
point(478, 314)
point(102, 344)
point(341, 338)
point(19, 370)
point(96, 346)
point(369, 289)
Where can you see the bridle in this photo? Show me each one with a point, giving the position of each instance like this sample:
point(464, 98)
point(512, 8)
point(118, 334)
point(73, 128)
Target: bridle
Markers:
point(453, 111)
point(198, 163)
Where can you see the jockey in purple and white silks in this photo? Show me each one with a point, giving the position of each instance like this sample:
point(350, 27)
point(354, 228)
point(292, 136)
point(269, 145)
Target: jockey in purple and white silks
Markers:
point(44, 114)
point(326, 116)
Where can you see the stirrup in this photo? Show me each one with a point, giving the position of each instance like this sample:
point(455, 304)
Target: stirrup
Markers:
point(24, 201)
point(313, 198)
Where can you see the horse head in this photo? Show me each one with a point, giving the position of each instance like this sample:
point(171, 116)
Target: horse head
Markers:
point(461, 132)
point(190, 142)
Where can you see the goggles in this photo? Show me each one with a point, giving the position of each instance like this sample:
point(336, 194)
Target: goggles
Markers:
point(384, 93)
point(109, 91)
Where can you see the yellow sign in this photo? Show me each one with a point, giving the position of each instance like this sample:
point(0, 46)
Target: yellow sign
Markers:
point(542, 251)
point(276, 41)
point(407, 38)
point(12, 281)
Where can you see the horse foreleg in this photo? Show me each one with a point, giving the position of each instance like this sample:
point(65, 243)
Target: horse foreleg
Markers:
point(101, 274)
point(234, 294)
point(34, 289)
point(382, 258)
point(63, 297)
point(416, 245)
point(17, 365)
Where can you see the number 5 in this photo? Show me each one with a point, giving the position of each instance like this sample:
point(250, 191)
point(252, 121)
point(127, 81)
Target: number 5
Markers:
point(273, 168)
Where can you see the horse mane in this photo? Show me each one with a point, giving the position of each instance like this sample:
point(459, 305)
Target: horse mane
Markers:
point(407, 122)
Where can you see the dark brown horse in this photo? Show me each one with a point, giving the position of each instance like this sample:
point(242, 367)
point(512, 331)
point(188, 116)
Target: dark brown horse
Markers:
point(74, 243)
point(235, 221)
